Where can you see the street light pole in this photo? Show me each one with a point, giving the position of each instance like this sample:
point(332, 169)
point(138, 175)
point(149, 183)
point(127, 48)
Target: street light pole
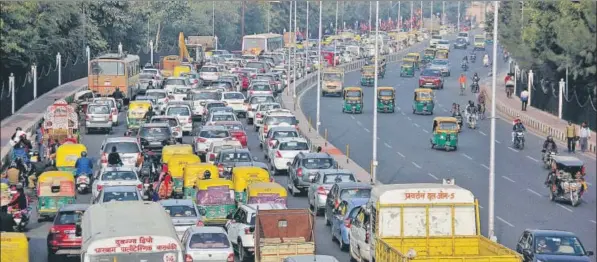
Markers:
point(458, 21)
point(374, 162)
point(213, 18)
point(336, 24)
point(294, 57)
point(399, 22)
point(290, 41)
point(370, 27)
point(320, 67)
point(431, 16)
point(269, 6)
point(443, 12)
point(412, 5)
point(491, 219)
point(422, 22)
point(307, 34)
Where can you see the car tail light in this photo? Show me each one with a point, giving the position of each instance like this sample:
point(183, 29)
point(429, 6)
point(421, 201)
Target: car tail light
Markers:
point(247, 230)
point(104, 158)
point(265, 129)
point(114, 111)
point(262, 70)
point(251, 92)
point(230, 257)
point(99, 188)
point(87, 117)
point(221, 168)
point(54, 230)
point(140, 186)
point(347, 223)
point(436, 81)
point(258, 115)
point(196, 81)
point(201, 140)
point(278, 155)
point(321, 191)
point(212, 157)
point(367, 237)
point(188, 258)
point(199, 224)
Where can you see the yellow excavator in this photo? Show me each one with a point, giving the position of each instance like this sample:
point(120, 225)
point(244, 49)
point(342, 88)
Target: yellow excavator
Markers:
point(170, 62)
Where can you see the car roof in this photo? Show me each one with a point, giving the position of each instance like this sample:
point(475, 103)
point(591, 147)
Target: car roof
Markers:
point(316, 155)
point(236, 150)
point(156, 125)
point(118, 168)
point(178, 78)
point(551, 232)
point(291, 139)
point(222, 113)
point(164, 116)
point(177, 202)
point(335, 171)
point(222, 123)
point(360, 185)
point(108, 188)
point(121, 139)
point(213, 127)
point(74, 207)
point(156, 91)
point(206, 229)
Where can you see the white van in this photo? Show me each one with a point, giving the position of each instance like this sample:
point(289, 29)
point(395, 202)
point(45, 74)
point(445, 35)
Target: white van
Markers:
point(115, 231)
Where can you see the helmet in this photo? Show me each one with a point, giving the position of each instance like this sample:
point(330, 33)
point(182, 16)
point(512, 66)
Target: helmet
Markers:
point(113, 149)
point(475, 74)
point(83, 154)
point(19, 129)
point(549, 138)
point(207, 174)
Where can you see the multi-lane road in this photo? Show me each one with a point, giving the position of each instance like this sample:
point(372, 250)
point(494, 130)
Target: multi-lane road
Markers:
point(404, 154)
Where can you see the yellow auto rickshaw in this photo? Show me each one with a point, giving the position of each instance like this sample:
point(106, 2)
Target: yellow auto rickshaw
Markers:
point(135, 116)
point(176, 164)
point(416, 57)
point(244, 176)
point(192, 173)
point(441, 54)
point(215, 200)
point(14, 247)
point(67, 155)
point(54, 190)
point(266, 193)
point(171, 150)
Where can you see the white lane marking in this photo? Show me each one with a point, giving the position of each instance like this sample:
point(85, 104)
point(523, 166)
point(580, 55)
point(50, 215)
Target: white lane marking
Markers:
point(417, 125)
point(509, 179)
point(415, 164)
point(497, 141)
point(533, 191)
point(409, 119)
point(367, 130)
point(352, 117)
point(398, 108)
point(504, 221)
point(467, 156)
point(425, 131)
point(480, 206)
point(400, 154)
point(513, 150)
point(402, 113)
point(482, 133)
point(445, 110)
point(387, 145)
point(531, 158)
point(569, 210)
point(431, 175)
point(593, 221)
point(486, 167)
point(440, 105)
point(359, 123)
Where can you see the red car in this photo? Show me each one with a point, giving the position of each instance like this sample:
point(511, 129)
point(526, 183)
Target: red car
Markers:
point(236, 130)
point(431, 78)
point(62, 239)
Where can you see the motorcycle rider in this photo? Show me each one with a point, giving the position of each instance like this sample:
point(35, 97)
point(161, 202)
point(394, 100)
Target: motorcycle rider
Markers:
point(117, 94)
point(471, 111)
point(16, 137)
point(114, 158)
point(518, 127)
point(481, 100)
point(549, 146)
point(475, 84)
point(486, 59)
point(462, 81)
point(19, 200)
point(84, 165)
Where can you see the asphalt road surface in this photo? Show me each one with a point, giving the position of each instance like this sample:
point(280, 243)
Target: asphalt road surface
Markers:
point(405, 156)
point(39, 231)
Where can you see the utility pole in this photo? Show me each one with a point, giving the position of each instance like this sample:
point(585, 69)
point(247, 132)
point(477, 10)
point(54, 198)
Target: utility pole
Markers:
point(374, 158)
point(320, 65)
point(336, 24)
point(458, 21)
point(491, 219)
point(242, 19)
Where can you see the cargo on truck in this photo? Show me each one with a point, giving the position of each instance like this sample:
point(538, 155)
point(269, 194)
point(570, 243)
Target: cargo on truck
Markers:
point(115, 231)
point(430, 222)
point(284, 233)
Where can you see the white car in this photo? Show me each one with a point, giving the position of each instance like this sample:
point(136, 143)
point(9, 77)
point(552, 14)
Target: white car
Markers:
point(209, 134)
point(359, 248)
point(236, 100)
point(218, 145)
point(172, 121)
point(161, 96)
point(443, 45)
point(284, 151)
point(201, 243)
point(180, 93)
point(209, 73)
point(200, 98)
point(260, 113)
point(276, 117)
point(241, 225)
point(260, 88)
point(127, 147)
point(115, 176)
point(274, 134)
point(254, 101)
point(184, 115)
point(172, 83)
point(111, 102)
point(221, 116)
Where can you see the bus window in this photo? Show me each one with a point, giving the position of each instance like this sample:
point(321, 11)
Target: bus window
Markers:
point(251, 43)
point(107, 68)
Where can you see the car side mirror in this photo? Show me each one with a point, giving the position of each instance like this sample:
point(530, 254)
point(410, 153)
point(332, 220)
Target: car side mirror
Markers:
point(590, 253)
point(254, 158)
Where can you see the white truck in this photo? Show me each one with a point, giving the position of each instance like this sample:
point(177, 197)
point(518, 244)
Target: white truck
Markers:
point(115, 231)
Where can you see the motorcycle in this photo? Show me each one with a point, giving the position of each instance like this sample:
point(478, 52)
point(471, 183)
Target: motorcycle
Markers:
point(458, 117)
point(473, 58)
point(149, 169)
point(83, 182)
point(475, 87)
point(21, 219)
point(464, 66)
point(548, 158)
point(519, 140)
point(472, 121)
point(120, 104)
point(485, 62)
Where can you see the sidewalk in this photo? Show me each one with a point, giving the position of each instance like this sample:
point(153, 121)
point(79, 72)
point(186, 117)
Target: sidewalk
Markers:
point(539, 121)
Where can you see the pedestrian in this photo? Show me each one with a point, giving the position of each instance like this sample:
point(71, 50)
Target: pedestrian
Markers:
point(39, 138)
point(571, 137)
point(524, 97)
point(585, 135)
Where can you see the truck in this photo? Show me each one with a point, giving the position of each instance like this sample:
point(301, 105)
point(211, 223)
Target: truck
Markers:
point(200, 45)
point(283, 233)
point(332, 81)
point(115, 231)
point(430, 222)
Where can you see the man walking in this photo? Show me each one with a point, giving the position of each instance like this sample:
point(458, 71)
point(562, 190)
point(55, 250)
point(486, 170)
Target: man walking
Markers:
point(571, 137)
point(524, 97)
point(585, 135)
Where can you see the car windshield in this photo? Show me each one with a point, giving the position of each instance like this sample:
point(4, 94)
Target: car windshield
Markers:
point(210, 69)
point(266, 107)
point(171, 121)
point(178, 111)
point(279, 120)
point(439, 62)
point(462, 35)
point(337, 178)
point(318, 163)
point(214, 134)
point(122, 147)
point(424, 95)
point(279, 134)
point(352, 93)
point(215, 195)
point(355, 193)
point(386, 93)
point(107, 102)
point(205, 96)
point(220, 109)
point(255, 65)
point(443, 42)
point(119, 175)
point(181, 90)
point(234, 127)
point(431, 72)
point(234, 96)
point(262, 99)
point(179, 82)
point(209, 241)
point(265, 78)
point(120, 196)
point(181, 211)
point(100, 110)
point(260, 87)
point(68, 218)
point(460, 40)
point(236, 157)
point(156, 132)
point(157, 95)
point(556, 245)
point(293, 146)
point(223, 84)
point(213, 105)
point(332, 77)
point(146, 76)
point(223, 117)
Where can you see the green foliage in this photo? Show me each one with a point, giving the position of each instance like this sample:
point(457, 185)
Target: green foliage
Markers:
point(553, 36)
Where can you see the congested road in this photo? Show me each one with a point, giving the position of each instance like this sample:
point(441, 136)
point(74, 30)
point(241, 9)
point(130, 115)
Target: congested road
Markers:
point(404, 154)
point(39, 231)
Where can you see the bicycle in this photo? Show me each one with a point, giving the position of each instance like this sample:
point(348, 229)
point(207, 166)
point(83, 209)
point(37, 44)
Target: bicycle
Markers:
point(462, 88)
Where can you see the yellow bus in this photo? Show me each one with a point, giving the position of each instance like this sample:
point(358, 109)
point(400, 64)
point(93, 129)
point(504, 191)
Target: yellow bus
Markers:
point(254, 44)
point(109, 71)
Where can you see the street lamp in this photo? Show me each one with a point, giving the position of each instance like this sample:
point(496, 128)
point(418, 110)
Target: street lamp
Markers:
point(374, 159)
point(320, 67)
point(491, 219)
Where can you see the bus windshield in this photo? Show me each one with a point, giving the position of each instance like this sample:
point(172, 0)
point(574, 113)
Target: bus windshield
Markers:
point(112, 68)
point(250, 43)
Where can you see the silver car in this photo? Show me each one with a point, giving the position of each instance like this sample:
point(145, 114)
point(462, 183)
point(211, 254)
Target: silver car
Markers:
point(207, 244)
point(127, 147)
point(321, 184)
point(172, 121)
point(119, 193)
point(98, 118)
point(184, 214)
point(207, 135)
point(115, 176)
point(161, 96)
point(443, 65)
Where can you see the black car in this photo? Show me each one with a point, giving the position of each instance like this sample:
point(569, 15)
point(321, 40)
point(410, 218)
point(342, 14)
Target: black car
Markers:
point(552, 246)
point(227, 159)
point(154, 136)
point(460, 43)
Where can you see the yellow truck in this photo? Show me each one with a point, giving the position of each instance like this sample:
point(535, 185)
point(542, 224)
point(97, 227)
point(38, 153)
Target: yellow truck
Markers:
point(479, 43)
point(430, 223)
point(333, 79)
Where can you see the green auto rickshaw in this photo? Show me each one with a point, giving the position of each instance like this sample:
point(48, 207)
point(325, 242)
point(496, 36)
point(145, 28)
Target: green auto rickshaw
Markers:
point(445, 133)
point(54, 190)
point(368, 75)
point(353, 100)
point(423, 102)
point(429, 54)
point(386, 99)
point(407, 69)
point(416, 57)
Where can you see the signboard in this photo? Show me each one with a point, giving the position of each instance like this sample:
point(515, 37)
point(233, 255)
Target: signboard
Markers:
point(134, 244)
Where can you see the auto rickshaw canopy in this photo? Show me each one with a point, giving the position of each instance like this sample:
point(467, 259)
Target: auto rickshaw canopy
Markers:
point(170, 150)
point(423, 94)
point(67, 154)
point(246, 175)
point(445, 125)
point(177, 162)
point(259, 188)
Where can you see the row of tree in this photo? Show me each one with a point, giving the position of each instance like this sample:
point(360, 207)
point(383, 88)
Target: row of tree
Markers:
point(31, 31)
point(552, 36)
